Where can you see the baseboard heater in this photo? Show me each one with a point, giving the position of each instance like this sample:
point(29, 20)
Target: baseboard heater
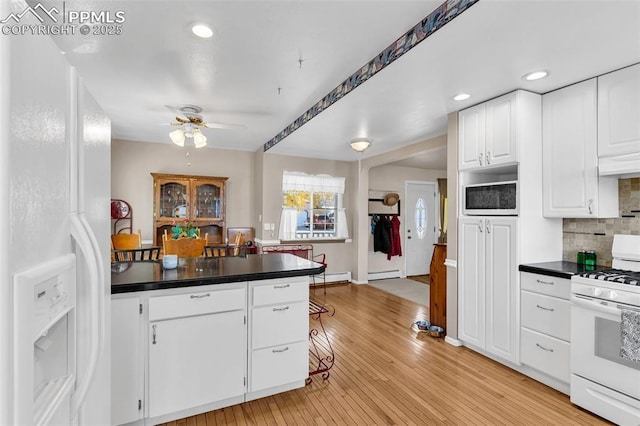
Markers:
point(333, 277)
point(381, 275)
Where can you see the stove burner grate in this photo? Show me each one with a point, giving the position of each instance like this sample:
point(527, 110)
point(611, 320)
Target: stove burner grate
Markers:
point(614, 275)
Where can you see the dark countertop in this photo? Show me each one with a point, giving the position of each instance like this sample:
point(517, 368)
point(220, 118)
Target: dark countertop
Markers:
point(559, 269)
point(142, 276)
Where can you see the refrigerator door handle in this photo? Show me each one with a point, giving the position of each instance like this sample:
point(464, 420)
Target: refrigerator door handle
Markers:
point(83, 241)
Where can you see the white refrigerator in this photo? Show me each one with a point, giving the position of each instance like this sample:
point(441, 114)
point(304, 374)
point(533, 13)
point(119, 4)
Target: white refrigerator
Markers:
point(54, 252)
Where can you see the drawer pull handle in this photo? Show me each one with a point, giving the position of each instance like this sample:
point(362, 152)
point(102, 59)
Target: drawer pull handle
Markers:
point(280, 309)
point(545, 309)
point(277, 351)
point(281, 286)
point(200, 296)
point(545, 282)
point(154, 333)
point(543, 348)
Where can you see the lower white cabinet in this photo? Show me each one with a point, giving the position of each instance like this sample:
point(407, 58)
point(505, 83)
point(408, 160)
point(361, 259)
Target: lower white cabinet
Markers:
point(279, 333)
point(196, 360)
point(127, 364)
point(488, 291)
point(179, 352)
point(546, 324)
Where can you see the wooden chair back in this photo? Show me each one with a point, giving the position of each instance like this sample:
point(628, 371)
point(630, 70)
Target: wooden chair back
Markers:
point(126, 241)
point(137, 255)
point(215, 251)
point(183, 247)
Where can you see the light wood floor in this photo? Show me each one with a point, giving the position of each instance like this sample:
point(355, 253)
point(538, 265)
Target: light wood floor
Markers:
point(386, 373)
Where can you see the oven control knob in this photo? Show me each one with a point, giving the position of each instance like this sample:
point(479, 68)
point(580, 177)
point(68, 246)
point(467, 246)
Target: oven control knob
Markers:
point(597, 291)
point(613, 295)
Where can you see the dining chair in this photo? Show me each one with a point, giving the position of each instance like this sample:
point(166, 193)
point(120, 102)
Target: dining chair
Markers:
point(183, 247)
point(137, 255)
point(215, 251)
point(126, 241)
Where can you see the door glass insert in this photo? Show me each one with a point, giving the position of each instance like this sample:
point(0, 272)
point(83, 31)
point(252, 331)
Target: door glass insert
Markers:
point(207, 201)
point(421, 218)
point(173, 200)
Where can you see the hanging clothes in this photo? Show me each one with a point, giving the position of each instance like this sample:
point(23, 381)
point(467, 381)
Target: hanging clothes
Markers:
point(382, 235)
point(396, 248)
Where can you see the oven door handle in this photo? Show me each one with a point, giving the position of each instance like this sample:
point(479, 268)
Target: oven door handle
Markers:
point(610, 308)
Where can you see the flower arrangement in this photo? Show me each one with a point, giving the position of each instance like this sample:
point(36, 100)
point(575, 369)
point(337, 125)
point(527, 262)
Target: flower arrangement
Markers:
point(184, 230)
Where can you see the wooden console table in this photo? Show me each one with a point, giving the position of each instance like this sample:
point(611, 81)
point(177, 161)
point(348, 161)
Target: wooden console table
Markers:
point(321, 356)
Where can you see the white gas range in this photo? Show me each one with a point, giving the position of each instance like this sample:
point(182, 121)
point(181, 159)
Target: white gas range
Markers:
point(605, 336)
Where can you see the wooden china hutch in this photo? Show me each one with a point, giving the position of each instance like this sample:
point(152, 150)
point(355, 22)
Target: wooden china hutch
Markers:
point(196, 199)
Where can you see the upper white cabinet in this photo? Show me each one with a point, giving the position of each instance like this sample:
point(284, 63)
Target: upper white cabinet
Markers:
point(619, 112)
point(488, 289)
point(488, 133)
point(571, 185)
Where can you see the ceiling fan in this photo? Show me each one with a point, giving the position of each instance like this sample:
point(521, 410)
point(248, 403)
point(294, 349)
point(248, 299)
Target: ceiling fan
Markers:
point(190, 121)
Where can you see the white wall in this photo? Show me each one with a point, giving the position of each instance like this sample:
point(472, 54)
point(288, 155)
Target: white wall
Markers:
point(132, 163)
point(390, 178)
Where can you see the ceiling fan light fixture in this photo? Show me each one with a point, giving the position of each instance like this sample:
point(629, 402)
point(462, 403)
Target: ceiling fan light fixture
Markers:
point(177, 137)
point(202, 30)
point(199, 140)
point(360, 144)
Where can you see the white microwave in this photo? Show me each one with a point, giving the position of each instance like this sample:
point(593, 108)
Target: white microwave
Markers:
point(491, 199)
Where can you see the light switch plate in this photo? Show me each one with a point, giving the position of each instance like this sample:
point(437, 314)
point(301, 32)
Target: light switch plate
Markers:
point(266, 227)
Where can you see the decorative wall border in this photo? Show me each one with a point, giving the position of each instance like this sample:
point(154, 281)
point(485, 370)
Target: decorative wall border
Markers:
point(437, 19)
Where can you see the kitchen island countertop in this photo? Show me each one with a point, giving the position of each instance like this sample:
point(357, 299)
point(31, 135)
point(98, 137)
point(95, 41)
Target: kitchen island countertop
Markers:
point(129, 277)
point(560, 269)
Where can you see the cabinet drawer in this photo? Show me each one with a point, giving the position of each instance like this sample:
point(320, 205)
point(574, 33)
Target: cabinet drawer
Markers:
point(279, 324)
point(545, 284)
point(545, 353)
point(546, 314)
point(196, 303)
point(279, 365)
point(280, 291)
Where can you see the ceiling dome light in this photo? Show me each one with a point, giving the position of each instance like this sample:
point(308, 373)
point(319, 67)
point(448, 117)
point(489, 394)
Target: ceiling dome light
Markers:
point(202, 30)
point(536, 75)
point(360, 144)
point(461, 97)
point(199, 140)
point(177, 137)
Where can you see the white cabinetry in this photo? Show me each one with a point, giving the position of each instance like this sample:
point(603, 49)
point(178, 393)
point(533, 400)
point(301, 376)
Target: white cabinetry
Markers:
point(489, 132)
point(488, 290)
point(619, 112)
point(127, 366)
point(571, 185)
point(197, 349)
point(546, 321)
point(279, 333)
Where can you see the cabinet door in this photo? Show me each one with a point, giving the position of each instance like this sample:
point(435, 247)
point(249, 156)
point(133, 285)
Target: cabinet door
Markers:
point(471, 299)
point(619, 112)
point(127, 374)
point(570, 162)
point(471, 129)
point(501, 144)
point(208, 200)
point(171, 199)
point(196, 360)
point(502, 292)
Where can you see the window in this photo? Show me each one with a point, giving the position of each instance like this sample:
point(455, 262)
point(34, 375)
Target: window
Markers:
point(311, 207)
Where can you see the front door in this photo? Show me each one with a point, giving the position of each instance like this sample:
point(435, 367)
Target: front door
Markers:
point(420, 226)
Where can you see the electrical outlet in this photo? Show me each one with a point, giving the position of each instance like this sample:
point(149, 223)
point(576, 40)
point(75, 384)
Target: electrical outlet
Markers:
point(266, 227)
point(272, 226)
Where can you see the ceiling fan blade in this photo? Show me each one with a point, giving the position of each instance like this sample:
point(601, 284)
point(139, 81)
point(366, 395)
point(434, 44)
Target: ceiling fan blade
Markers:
point(177, 112)
point(223, 126)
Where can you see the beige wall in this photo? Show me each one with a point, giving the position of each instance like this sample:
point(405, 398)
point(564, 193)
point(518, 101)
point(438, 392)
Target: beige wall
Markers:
point(132, 163)
point(390, 178)
point(452, 224)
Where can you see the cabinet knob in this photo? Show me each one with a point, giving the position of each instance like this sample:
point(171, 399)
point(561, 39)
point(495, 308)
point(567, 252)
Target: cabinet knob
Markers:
point(488, 158)
point(590, 205)
point(480, 158)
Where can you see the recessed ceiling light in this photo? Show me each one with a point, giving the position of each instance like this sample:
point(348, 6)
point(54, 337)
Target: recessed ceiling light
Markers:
point(461, 97)
point(202, 30)
point(536, 75)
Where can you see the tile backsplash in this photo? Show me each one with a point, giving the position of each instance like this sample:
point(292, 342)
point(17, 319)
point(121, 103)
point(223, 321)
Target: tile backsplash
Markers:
point(597, 234)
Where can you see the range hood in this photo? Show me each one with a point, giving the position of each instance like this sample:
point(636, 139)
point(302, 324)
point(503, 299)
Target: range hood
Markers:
point(623, 166)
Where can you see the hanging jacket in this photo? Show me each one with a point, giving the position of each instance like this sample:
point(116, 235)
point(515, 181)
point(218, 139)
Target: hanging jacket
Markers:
point(396, 248)
point(382, 235)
